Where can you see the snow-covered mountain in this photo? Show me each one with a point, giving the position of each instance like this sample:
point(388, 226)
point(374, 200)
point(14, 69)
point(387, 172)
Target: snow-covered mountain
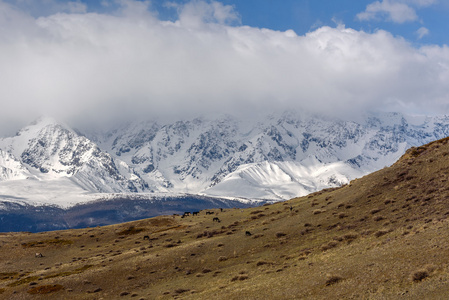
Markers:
point(11, 168)
point(275, 157)
point(48, 158)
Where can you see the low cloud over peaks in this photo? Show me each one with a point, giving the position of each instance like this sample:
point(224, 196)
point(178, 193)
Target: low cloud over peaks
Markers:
point(130, 63)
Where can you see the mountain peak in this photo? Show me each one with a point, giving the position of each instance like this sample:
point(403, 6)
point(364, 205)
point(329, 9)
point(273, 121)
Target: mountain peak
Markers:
point(43, 122)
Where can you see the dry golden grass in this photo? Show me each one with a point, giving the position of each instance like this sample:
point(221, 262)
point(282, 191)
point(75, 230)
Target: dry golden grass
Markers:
point(384, 236)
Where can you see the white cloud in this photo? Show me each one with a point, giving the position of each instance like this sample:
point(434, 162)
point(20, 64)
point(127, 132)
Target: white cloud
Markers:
point(47, 7)
point(129, 63)
point(397, 11)
point(390, 10)
point(421, 32)
point(421, 3)
point(196, 13)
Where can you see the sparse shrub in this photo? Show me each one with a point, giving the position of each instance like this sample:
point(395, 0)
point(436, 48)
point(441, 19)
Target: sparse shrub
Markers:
point(130, 230)
point(380, 233)
point(328, 246)
point(8, 275)
point(420, 275)
point(23, 281)
point(45, 289)
point(52, 242)
point(342, 215)
point(239, 277)
point(280, 234)
point(431, 190)
point(180, 291)
point(375, 211)
point(262, 262)
point(68, 273)
point(318, 211)
point(206, 271)
point(350, 237)
point(332, 279)
point(222, 258)
point(378, 218)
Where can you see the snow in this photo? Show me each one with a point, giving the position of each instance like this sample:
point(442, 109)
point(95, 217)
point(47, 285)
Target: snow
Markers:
point(283, 180)
point(274, 157)
point(61, 192)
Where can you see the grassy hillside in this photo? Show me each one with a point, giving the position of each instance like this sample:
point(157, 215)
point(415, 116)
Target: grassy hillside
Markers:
point(384, 236)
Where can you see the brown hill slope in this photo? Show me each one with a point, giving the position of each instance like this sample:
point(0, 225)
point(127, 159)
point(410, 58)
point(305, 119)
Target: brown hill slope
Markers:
point(384, 236)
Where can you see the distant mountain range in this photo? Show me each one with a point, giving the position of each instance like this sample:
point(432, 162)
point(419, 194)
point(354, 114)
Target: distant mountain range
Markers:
point(274, 158)
point(279, 157)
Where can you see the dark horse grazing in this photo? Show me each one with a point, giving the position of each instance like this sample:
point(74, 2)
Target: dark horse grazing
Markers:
point(195, 213)
point(216, 219)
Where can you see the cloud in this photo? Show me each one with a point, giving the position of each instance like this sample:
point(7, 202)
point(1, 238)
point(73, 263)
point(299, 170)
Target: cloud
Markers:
point(196, 13)
point(397, 11)
point(421, 3)
point(390, 10)
point(128, 64)
point(421, 32)
point(47, 7)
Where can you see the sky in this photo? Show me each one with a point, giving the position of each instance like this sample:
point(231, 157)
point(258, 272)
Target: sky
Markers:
point(125, 59)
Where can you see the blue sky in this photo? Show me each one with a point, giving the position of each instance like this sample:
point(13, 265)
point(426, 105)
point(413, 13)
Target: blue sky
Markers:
point(418, 21)
point(306, 15)
point(131, 57)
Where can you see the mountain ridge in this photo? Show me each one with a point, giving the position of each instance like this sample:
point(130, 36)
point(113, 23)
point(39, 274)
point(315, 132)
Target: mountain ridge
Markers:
point(277, 157)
